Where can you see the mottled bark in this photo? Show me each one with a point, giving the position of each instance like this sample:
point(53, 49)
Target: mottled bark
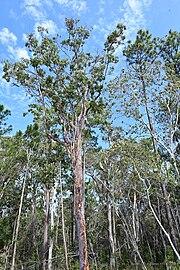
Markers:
point(79, 202)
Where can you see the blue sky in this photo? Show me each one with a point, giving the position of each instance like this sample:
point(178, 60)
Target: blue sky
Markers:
point(21, 17)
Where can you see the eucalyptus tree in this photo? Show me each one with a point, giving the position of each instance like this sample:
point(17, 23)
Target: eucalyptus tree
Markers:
point(149, 88)
point(67, 83)
point(148, 91)
point(13, 173)
point(117, 188)
point(47, 156)
point(169, 111)
point(30, 171)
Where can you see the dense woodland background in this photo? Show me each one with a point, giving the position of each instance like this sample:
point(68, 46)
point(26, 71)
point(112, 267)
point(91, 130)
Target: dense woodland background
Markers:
point(114, 126)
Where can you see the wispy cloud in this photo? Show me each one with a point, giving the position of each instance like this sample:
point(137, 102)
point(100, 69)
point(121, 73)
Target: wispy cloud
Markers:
point(13, 15)
point(37, 9)
point(34, 9)
point(7, 37)
point(130, 13)
point(78, 6)
point(134, 14)
point(16, 53)
point(135, 6)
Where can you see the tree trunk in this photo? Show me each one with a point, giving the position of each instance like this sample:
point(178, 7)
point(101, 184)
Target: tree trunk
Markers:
point(77, 166)
point(46, 222)
point(111, 239)
point(73, 225)
point(18, 224)
point(169, 217)
point(19, 215)
point(166, 197)
point(63, 224)
point(151, 128)
point(52, 212)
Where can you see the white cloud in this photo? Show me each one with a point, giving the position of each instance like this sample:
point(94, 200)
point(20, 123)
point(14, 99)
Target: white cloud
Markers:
point(24, 37)
point(7, 37)
point(22, 53)
point(131, 13)
point(79, 6)
point(62, 2)
point(135, 5)
point(34, 9)
point(134, 15)
point(101, 11)
point(17, 53)
point(49, 25)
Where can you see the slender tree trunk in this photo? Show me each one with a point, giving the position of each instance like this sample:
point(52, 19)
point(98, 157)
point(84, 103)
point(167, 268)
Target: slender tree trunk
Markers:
point(73, 225)
point(111, 239)
point(129, 232)
point(166, 197)
point(46, 223)
point(52, 212)
point(63, 224)
point(93, 255)
point(151, 128)
point(169, 216)
point(165, 232)
point(77, 166)
point(134, 209)
point(157, 218)
point(114, 230)
point(114, 220)
point(110, 226)
point(18, 221)
point(34, 225)
point(161, 232)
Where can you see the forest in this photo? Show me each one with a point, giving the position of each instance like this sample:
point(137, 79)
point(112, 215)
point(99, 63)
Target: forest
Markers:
point(93, 182)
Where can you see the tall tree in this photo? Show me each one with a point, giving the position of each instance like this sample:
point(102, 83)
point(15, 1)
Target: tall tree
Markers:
point(150, 97)
point(67, 83)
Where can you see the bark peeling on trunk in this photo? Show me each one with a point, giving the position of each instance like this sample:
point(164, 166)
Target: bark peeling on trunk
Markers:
point(79, 204)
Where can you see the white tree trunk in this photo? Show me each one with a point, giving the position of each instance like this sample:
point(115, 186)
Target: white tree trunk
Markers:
point(156, 217)
point(18, 219)
point(46, 224)
point(52, 214)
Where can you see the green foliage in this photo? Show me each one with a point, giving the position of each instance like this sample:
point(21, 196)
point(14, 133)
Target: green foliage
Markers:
point(66, 81)
point(3, 117)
